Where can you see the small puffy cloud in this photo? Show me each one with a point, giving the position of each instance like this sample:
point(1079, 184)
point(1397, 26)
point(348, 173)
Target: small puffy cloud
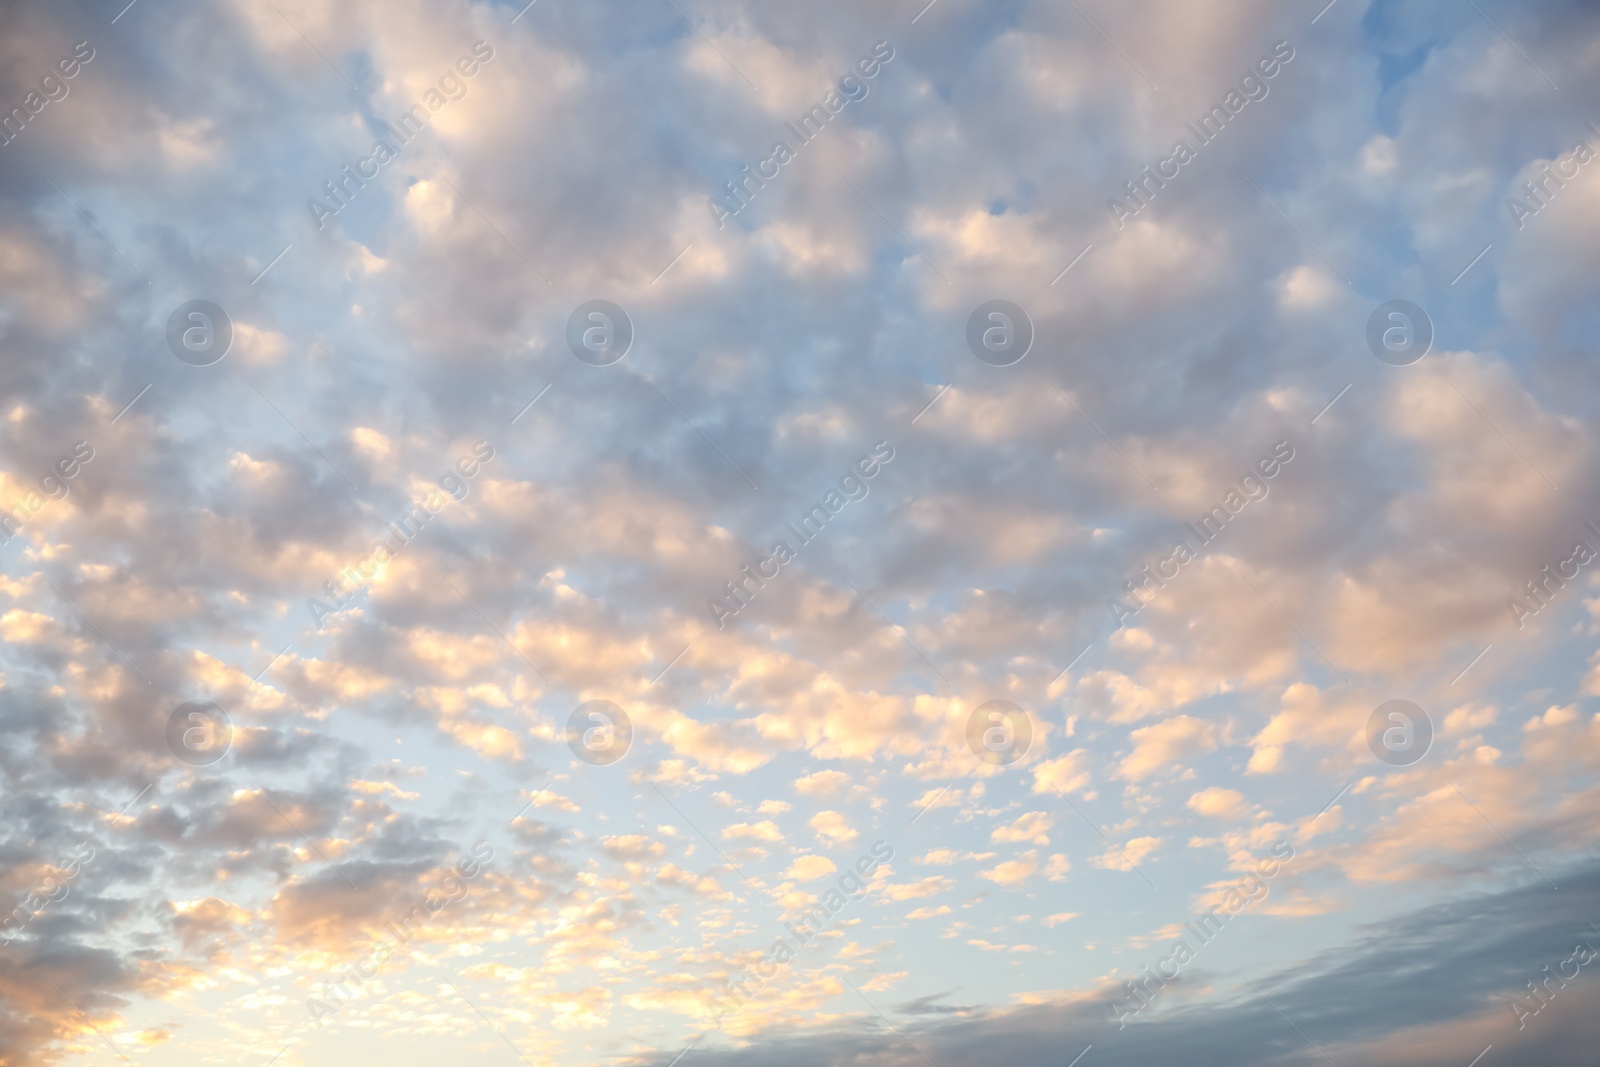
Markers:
point(822, 784)
point(1468, 717)
point(23, 627)
point(1219, 803)
point(1013, 872)
point(943, 797)
point(631, 847)
point(371, 443)
point(1307, 287)
point(1065, 774)
point(884, 982)
point(947, 797)
point(925, 887)
point(1029, 828)
point(765, 830)
point(1167, 742)
point(1128, 856)
point(945, 857)
point(1380, 155)
point(672, 874)
point(809, 868)
point(145, 1038)
point(833, 827)
point(378, 788)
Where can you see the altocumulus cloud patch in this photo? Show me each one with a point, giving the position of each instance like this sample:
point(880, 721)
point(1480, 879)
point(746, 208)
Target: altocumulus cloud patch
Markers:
point(733, 549)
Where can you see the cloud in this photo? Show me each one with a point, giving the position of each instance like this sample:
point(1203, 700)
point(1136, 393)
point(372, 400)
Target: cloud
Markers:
point(924, 887)
point(1218, 802)
point(1031, 827)
point(1425, 987)
point(401, 697)
point(1167, 742)
point(809, 868)
point(1012, 872)
point(833, 828)
point(1065, 774)
point(822, 784)
point(632, 847)
point(765, 830)
point(1127, 856)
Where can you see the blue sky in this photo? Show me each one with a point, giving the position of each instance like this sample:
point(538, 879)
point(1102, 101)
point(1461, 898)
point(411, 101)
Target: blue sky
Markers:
point(367, 765)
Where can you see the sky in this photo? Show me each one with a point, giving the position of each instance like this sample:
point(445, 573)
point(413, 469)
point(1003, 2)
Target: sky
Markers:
point(889, 534)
